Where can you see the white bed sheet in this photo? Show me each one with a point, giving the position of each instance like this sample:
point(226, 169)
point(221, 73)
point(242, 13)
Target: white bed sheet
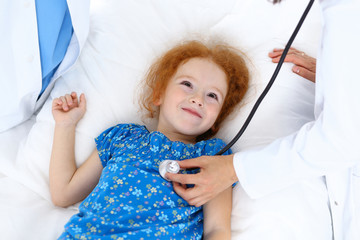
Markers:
point(124, 38)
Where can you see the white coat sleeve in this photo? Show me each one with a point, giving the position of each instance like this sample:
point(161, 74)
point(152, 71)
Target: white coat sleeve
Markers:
point(332, 141)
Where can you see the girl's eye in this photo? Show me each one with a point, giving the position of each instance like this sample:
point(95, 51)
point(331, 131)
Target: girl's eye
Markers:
point(186, 83)
point(213, 95)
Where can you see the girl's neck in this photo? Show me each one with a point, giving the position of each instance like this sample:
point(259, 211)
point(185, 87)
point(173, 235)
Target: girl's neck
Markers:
point(174, 136)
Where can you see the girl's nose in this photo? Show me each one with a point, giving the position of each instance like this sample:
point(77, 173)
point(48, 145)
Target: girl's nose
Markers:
point(197, 100)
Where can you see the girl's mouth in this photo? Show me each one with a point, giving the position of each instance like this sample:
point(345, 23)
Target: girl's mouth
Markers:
point(193, 112)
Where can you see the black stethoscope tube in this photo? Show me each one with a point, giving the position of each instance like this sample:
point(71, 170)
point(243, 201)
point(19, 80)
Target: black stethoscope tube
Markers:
point(268, 86)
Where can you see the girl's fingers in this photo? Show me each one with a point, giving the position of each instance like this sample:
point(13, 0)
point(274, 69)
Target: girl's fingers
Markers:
point(82, 103)
point(57, 101)
point(74, 98)
point(64, 103)
point(57, 104)
point(69, 101)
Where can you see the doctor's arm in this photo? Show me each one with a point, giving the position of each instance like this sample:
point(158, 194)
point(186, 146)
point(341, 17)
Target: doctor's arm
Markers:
point(323, 146)
point(328, 144)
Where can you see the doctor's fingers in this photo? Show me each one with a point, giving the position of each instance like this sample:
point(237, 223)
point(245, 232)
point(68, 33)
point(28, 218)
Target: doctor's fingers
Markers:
point(304, 72)
point(184, 178)
point(303, 61)
point(305, 66)
point(199, 162)
point(295, 56)
point(277, 52)
point(194, 196)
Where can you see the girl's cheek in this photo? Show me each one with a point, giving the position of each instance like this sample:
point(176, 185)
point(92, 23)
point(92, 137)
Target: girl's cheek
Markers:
point(213, 103)
point(214, 108)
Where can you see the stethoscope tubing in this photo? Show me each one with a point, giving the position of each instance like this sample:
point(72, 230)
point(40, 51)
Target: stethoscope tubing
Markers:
point(270, 83)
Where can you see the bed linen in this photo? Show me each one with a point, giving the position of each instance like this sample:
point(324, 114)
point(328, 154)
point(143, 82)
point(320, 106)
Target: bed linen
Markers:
point(124, 38)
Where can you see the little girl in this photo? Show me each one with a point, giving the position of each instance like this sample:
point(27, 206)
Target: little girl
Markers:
point(191, 89)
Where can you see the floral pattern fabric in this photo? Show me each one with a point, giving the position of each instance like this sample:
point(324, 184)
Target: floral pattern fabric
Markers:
point(132, 200)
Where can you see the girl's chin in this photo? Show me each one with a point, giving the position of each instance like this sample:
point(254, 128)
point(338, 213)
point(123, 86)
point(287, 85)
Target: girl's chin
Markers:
point(191, 133)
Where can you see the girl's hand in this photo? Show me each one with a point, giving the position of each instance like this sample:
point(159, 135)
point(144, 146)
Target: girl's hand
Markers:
point(68, 110)
point(305, 65)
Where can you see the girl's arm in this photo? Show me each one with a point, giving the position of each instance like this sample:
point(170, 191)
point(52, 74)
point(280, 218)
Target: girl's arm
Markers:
point(69, 184)
point(217, 216)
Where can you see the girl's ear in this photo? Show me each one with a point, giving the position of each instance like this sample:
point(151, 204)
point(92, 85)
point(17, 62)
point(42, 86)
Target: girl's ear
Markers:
point(157, 102)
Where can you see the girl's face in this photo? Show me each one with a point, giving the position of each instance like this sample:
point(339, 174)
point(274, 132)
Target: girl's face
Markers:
point(192, 100)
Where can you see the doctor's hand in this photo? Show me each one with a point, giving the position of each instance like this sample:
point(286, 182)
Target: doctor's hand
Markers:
point(216, 174)
point(304, 65)
point(68, 110)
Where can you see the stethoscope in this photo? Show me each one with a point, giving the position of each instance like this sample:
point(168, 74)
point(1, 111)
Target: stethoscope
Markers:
point(173, 166)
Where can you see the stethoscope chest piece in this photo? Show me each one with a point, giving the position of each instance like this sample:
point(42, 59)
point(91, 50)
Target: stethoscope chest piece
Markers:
point(170, 166)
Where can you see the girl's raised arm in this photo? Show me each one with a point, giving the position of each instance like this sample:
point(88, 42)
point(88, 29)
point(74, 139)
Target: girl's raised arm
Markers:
point(69, 184)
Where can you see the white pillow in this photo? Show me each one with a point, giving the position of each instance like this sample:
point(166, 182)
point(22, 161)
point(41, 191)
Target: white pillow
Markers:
point(124, 38)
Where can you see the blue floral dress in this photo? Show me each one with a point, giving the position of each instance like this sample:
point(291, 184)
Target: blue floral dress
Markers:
point(131, 200)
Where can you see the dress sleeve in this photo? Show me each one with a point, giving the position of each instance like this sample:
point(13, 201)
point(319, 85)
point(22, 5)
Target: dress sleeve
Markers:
point(214, 146)
point(222, 144)
point(106, 140)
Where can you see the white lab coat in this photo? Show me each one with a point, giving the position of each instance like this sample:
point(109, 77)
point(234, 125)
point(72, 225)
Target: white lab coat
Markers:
point(20, 67)
point(329, 146)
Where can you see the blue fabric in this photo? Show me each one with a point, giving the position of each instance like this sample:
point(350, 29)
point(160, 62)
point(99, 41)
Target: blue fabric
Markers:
point(131, 200)
point(55, 31)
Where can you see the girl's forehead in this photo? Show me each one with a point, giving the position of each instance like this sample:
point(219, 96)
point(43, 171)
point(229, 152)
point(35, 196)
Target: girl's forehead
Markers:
point(202, 68)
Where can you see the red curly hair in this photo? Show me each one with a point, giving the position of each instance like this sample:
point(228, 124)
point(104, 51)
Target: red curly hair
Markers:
point(229, 59)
